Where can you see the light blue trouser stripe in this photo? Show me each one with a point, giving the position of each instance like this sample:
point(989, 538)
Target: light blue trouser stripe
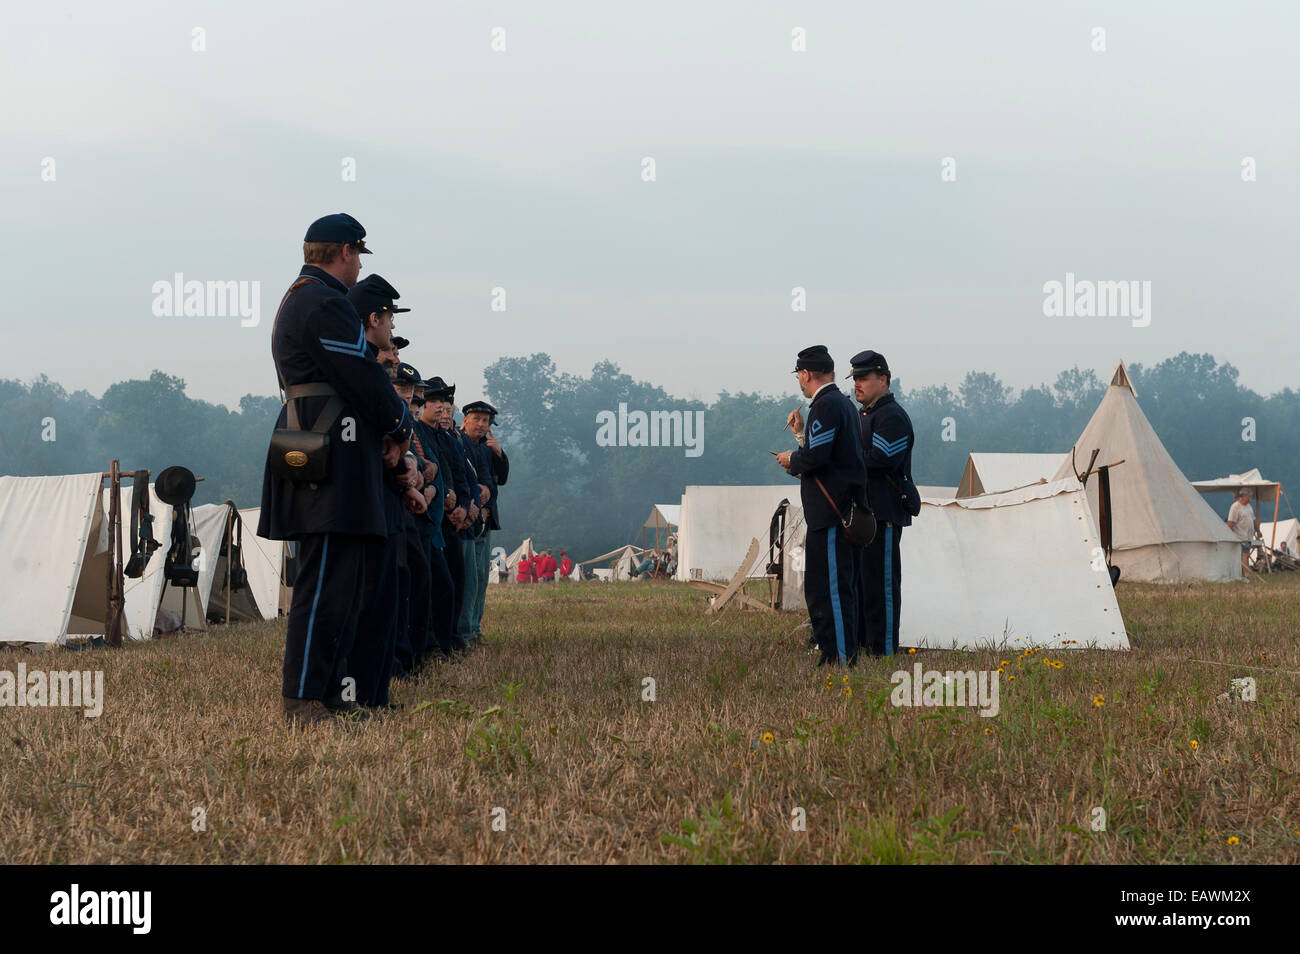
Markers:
point(889, 591)
point(833, 571)
point(311, 620)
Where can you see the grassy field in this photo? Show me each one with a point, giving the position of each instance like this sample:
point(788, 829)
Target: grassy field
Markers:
point(544, 731)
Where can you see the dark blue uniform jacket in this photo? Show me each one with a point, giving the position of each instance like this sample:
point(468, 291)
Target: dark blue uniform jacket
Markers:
point(319, 337)
point(833, 453)
point(887, 439)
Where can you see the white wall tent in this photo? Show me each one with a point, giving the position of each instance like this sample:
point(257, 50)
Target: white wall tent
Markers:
point(1016, 569)
point(47, 525)
point(1162, 530)
point(994, 473)
point(718, 522)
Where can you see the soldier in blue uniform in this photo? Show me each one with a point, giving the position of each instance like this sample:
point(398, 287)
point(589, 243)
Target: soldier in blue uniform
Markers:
point(438, 645)
point(370, 663)
point(494, 470)
point(830, 451)
point(413, 612)
point(439, 397)
point(319, 348)
point(887, 440)
point(471, 537)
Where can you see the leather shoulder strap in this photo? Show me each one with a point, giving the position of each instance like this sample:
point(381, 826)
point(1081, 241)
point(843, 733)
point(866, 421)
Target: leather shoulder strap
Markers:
point(276, 324)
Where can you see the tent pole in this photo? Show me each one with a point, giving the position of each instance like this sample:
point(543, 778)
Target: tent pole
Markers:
point(112, 620)
point(231, 516)
point(1277, 500)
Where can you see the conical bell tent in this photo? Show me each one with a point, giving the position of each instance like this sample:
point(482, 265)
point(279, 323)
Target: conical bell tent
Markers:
point(1163, 531)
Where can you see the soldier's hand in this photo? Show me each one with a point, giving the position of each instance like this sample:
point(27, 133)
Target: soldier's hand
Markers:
point(492, 443)
point(414, 501)
point(795, 422)
point(392, 453)
point(458, 518)
point(784, 458)
point(430, 472)
point(473, 512)
point(451, 499)
point(430, 492)
point(484, 493)
point(411, 476)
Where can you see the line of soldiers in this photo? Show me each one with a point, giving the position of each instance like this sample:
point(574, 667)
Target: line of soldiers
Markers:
point(845, 457)
point(392, 506)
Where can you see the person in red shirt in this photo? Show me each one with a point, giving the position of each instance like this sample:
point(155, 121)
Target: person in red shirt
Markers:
point(534, 565)
point(524, 571)
point(566, 566)
point(546, 567)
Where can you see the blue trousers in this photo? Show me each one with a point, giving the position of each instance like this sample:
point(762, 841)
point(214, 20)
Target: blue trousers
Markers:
point(830, 585)
point(370, 662)
point(323, 615)
point(466, 627)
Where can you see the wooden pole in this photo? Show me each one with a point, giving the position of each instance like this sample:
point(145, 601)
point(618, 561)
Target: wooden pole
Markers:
point(112, 635)
point(1277, 500)
point(231, 516)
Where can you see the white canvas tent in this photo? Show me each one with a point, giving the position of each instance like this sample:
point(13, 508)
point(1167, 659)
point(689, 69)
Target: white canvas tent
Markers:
point(621, 561)
point(1162, 530)
point(994, 473)
point(663, 520)
point(512, 561)
point(1013, 570)
point(48, 525)
point(719, 521)
point(1287, 531)
point(1016, 569)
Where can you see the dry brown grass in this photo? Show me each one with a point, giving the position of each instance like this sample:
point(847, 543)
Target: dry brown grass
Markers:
point(547, 722)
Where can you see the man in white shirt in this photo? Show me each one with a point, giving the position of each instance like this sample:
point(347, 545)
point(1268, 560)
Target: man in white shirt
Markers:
point(1241, 519)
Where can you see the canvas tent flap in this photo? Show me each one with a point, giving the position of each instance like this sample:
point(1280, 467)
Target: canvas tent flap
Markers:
point(1153, 507)
point(264, 561)
point(1251, 481)
point(46, 524)
point(620, 553)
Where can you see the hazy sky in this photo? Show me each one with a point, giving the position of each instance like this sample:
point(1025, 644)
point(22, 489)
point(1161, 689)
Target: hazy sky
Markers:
point(523, 169)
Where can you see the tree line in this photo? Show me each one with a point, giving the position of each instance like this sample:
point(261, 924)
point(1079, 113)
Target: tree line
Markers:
point(584, 471)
